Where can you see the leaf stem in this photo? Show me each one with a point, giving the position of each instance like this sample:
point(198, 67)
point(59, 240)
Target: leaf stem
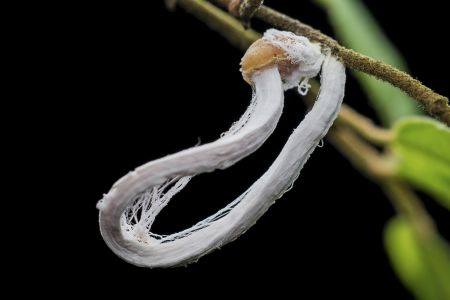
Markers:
point(377, 166)
point(363, 156)
point(364, 126)
point(407, 203)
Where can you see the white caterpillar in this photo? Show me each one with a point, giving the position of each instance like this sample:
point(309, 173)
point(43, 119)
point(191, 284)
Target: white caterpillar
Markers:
point(129, 209)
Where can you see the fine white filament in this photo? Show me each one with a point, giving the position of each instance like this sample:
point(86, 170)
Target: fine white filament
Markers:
point(127, 212)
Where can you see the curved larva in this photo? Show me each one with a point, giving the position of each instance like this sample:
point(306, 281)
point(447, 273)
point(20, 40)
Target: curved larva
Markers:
point(148, 183)
point(235, 145)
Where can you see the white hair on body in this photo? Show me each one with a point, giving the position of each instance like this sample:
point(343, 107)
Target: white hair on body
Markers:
point(128, 210)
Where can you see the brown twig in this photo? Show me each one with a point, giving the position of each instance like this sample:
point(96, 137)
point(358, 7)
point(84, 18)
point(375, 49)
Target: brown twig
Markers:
point(435, 104)
point(229, 28)
point(248, 8)
point(343, 135)
point(242, 9)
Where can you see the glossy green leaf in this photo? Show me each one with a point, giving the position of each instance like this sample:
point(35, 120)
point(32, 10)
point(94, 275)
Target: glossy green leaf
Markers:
point(357, 29)
point(422, 146)
point(422, 265)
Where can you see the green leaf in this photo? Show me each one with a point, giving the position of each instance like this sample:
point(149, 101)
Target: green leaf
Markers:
point(422, 265)
point(357, 29)
point(422, 146)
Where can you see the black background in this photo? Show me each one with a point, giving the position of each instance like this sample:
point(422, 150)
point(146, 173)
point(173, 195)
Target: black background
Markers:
point(322, 239)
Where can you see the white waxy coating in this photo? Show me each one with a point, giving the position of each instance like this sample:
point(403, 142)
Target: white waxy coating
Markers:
point(143, 248)
point(220, 154)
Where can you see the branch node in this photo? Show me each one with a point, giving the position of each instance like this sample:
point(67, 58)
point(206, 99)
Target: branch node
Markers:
point(247, 9)
point(244, 9)
point(233, 7)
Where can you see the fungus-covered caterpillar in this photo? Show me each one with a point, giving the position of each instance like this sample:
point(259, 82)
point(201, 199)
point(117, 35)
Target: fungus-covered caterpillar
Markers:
point(280, 60)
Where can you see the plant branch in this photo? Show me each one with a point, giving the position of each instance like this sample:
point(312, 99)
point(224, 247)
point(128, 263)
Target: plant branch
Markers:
point(362, 155)
point(352, 119)
point(406, 202)
point(248, 8)
point(221, 22)
point(364, 126)
point(435, 104)
point(230, 29)
point(373, 164)
point(376, 166)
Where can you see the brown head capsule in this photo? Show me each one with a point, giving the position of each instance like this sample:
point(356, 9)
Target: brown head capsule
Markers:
point(263, 54)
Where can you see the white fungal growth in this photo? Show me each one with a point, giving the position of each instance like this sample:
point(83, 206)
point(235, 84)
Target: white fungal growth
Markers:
point(305, 56)
point(128, 211)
